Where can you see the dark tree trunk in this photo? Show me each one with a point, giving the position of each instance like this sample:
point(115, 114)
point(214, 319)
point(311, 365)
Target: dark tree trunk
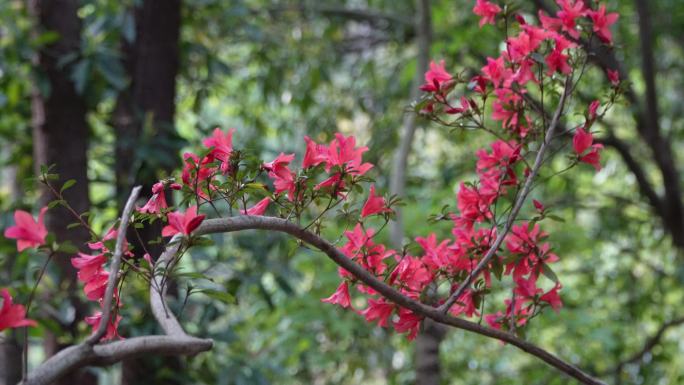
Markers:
point(428, 367)
point(144, 112)
point(10, 360)
point(60, 137)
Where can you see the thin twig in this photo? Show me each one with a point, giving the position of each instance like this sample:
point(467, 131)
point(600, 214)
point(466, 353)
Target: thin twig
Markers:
point(516, 207)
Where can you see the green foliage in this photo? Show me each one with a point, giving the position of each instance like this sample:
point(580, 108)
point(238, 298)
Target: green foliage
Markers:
point(277, 70)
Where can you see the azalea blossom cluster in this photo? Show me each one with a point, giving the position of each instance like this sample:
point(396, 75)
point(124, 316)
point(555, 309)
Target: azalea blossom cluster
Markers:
point(536, 61)
point(539, 58)
point(94, 276)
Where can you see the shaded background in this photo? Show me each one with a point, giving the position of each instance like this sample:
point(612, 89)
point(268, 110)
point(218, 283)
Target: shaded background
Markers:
point(113, 91)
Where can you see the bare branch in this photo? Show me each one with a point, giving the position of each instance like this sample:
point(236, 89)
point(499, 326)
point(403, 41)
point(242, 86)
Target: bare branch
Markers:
point(82, 355)
point(158, 288)
point(114, 268)
point(233, 224)
point(89, 353)
point(651, 343)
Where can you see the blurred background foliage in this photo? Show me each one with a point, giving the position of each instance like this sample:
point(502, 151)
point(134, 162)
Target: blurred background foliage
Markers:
point(278, 70)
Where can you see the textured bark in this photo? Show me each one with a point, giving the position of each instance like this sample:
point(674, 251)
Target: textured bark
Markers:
point(10, 360)
point(147, 109)
point(60, 137)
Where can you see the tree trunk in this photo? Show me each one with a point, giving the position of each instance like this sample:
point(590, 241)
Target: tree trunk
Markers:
point(60, 137)
point(431, 335)
point(10, 359)
point(146, 111)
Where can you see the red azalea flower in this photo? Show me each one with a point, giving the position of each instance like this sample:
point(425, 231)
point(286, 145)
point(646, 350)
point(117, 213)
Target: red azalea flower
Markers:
point(583, 141)
point(340, 296)
point(613, 77)
point(315, 153)
point(552, 298)
point(157, 202)
point(97, 285)
point(593, 108)
point(112, 327)
point(374, 205)
point(602, 23)
point(12, 315)
point(378, 309)
point(408, 322)
point(26, 230)
point(487, 11)
point(280, 161)
point(221, 147)
point(344, 153)
point(436, 77)
point(88, 265)
point(258, 209)
point(183, 223)
point(196, 172)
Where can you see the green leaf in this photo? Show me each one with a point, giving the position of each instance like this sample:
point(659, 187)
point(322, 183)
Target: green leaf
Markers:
point(548, 273)
point(68, 184)
point(555, 218)
point(56, 203)
point(219, 295)
point(67, 248)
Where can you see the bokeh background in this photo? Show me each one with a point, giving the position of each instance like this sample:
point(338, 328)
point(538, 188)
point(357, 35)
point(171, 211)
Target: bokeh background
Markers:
point(113, 91)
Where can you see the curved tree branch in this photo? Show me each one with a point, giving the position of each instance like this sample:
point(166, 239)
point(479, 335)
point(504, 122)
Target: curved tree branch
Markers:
point(114, 269)
point(233, 224)
point(87, 353)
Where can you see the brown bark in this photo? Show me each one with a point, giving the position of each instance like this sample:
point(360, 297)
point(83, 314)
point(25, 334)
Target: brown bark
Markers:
point(146, 111)
point(60, 137)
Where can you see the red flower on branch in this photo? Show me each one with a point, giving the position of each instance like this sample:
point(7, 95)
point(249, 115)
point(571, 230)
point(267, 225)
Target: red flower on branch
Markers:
point(602, 23)
point(27, 231)
point(258, 209)
point(436, 77)
point(340, 296)
point(183, 223)
point(12, 315)
point(583, 141)
point(374, 205)
point(487, 11)
point(221, 146)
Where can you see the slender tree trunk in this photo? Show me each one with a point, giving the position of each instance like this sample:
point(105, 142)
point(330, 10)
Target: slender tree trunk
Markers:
point(427, 363)
point(398, 176)
point(146, 111)
point(60, 137)
point(10, 359)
